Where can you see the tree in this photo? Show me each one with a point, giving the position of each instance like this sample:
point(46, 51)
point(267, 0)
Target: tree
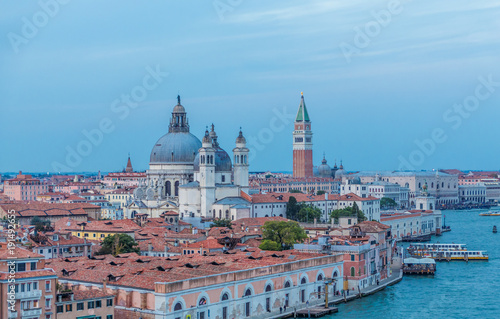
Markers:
point(221, 223)
point(118, 244)
point(387, 202)
point(307, 213)
point(41, 224)
point(352, 211)
point(321, 192)
point(270, 245)
point(292, 208)
point(285, 234)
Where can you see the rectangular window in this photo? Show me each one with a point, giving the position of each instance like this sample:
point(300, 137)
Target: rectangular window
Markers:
point(69, 307)
point(90, 305)
point(23, 287)
point(33, 266)
point(47, 286)
point(247, 309)
point(21, 266)
point(224, 313)
point(79, 306)
point(109, 302)
point(109, 317)
point(35, 285)
point(47, 303)
point(98, 304)
point(353, 257)
point(60, 309)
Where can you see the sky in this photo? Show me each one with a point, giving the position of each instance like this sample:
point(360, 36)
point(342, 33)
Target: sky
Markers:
point(388, 84)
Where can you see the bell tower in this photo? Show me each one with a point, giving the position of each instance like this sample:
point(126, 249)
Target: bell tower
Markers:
point(302, 143)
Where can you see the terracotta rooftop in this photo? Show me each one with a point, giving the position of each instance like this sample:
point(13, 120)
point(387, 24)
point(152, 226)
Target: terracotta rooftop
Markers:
point(132, 270)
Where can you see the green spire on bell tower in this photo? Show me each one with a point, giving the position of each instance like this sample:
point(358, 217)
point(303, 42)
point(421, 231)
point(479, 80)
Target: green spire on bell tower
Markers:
point(302, 115)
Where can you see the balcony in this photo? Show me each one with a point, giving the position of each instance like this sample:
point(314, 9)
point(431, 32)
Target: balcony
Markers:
point(35, 312)
point(29, 294)
point(12, 314)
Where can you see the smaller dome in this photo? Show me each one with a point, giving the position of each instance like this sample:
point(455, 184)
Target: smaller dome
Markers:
point(356, 180)
point(241, 139)
point(324, 170)
point(340, 173)
point(179, 109)
point(207, 139)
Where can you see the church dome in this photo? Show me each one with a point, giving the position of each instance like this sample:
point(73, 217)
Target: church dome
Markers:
point(176, 147)
point(222, 161)
point(324, 169)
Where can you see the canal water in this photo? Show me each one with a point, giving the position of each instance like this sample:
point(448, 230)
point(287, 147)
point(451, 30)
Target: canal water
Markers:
point(458, 290)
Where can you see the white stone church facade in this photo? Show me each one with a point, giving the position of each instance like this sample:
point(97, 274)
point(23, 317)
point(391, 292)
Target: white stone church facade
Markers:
point(191, 177)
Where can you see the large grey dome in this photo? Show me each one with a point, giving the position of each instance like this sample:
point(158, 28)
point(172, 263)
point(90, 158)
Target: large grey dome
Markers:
point(222, 161)
point(175, 147)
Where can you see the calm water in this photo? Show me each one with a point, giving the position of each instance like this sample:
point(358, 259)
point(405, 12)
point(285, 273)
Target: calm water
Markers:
point(458, 290)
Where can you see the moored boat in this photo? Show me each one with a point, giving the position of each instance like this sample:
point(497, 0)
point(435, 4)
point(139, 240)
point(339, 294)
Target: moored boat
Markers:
point(491, 213)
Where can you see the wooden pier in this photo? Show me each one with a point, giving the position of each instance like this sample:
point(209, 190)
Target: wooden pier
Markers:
point(316, 312)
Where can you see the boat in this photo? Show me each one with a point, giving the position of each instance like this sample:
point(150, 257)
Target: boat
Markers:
point(494, 229)
point(457, 255)
point(437, 247)
point(419, 266)
point(491, 213)
point(426, 237)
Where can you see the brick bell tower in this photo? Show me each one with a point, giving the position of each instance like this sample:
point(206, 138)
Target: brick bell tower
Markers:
point(302, 143)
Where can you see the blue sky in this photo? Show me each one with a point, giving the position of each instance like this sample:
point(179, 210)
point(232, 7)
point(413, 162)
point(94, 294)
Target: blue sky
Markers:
point(243, 63)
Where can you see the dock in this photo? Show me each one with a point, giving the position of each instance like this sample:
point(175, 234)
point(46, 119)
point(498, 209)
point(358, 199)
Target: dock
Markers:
point(315, 312)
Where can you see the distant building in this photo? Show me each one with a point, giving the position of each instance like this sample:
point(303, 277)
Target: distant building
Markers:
point(441, 185)
point(51, 212)
point(24, 187)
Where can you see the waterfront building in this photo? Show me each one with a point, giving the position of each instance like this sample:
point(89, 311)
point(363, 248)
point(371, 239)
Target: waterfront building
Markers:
point(366, 251)
point(472, 193)
point(24, 187)
point(238, 284)
point(34, 288)
point(127, 178)
point(441, 185)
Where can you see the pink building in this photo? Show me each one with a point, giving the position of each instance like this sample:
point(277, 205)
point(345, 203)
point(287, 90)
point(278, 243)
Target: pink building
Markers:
point(24, 187)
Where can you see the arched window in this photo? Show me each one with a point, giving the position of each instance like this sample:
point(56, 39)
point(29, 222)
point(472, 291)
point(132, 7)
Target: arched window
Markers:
point(178, 306)
point(303, 280)
point(202, 302)
point(269, 288)
point(225, 297)
point(227, 214)
point(336, 274)
point(320, 277)
point(353, 272)
point(248, 292)
point(168, 188)
point(287, 284)
point(177, 188)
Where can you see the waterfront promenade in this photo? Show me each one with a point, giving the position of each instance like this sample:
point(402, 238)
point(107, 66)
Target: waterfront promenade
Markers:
point(396, 276)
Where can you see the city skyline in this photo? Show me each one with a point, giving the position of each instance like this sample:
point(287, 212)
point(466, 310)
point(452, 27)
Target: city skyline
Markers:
point(245, 66)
